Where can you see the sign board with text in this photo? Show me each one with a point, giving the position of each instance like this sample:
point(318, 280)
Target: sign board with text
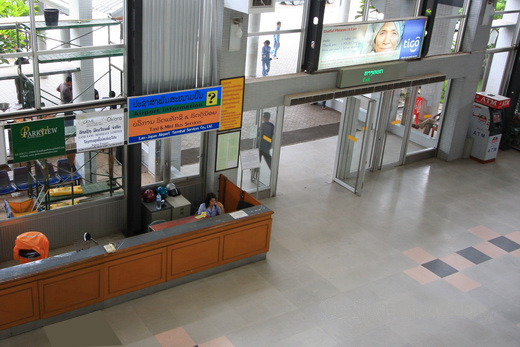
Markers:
point(98, 130)
point(158, 116)
point(232, 103)
point(369, 74)
point(39, 139)
point(365, 43)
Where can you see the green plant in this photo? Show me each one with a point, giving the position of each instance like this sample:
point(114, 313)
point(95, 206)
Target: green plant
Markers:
point(362, 9)
point(501, 5)
point(8, 38)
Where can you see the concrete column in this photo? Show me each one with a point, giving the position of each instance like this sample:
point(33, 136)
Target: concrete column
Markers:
point(252, 45)
point(82, 9)
point(344, 9)
point(65, 37)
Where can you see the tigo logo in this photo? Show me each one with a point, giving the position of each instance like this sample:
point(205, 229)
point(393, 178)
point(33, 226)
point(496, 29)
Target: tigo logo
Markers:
point(412, 45)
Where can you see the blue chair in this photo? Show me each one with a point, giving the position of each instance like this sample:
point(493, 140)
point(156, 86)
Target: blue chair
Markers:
point(20, 178)
point(65, 170)
point(5, 183)
point(53, 178)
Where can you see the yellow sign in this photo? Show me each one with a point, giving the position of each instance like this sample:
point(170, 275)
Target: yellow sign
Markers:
point(395, 122)
point(212, 98)
point(232, 103)
point(352, 138)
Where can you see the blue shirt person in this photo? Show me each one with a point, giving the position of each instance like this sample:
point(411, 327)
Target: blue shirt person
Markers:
point(266, 59)
point(210, 206)
point(276, 40)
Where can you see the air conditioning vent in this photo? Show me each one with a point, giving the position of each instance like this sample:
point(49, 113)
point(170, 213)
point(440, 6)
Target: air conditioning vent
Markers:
point(250, 6)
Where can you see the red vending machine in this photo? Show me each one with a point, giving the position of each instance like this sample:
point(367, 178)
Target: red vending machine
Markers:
point(485, 126)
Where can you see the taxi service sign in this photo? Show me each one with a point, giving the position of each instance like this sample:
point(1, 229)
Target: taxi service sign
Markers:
point(154, 117)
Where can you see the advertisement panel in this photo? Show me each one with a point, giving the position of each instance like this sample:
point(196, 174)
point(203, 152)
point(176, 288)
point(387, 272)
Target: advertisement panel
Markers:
point(39, 139)
point(100, 130)
point(154, 117)
point(366, 43)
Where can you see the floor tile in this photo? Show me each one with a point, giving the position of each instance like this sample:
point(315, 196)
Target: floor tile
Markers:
point(490, 249)
point(516, 253)
point(515, 236)
point(484, 232)
point(505, 243)
point(419, 255)
point(439, 268)
point(421, 275)
point(462, 282)
point(177, 337)
point(474, 255)
point(457, 261)
point(218, 342)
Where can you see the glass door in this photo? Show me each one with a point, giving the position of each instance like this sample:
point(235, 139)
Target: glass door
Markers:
point(354, 133)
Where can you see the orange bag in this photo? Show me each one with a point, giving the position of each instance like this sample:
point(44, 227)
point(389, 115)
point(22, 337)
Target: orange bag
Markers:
point(31, 240)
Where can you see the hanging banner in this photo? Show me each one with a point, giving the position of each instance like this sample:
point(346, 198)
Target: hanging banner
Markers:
point(39, 139)
point(232, 103)
point(355, 44)
point(154, 117)
point(97, 130)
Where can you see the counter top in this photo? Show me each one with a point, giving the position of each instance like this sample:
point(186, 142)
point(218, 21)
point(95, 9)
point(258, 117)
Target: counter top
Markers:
point(39, 266)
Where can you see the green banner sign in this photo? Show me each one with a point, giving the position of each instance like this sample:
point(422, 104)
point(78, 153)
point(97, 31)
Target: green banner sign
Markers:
point(39, 139)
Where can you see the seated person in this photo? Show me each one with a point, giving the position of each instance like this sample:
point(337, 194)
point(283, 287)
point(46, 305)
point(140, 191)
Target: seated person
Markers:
point(210, 206)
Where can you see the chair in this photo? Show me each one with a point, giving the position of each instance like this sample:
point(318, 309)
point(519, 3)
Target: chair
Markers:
point(53, 178)
point(20, 178)
point(31, 246)
point(5, 183)
point(66, 172)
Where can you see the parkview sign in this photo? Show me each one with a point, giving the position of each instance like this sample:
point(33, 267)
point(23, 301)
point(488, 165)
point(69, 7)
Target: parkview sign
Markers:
point(37, 140)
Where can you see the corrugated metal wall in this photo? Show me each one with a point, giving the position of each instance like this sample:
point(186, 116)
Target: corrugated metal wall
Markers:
point(64, 226)
point(180, 44)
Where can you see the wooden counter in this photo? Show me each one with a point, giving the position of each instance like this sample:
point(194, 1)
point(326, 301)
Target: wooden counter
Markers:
point(68, 282)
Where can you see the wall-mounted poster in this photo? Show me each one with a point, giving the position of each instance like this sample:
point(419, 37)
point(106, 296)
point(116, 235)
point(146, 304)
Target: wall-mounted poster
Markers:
point(96, 130)
point(355, 44)
point(228, 147)
point(157, 116)
point(38, 139)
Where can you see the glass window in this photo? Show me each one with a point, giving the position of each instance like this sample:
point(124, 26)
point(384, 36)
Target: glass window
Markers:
point(286, 59)
point(427, 119)
point(45, 184)
point(87, 48)
point(258, 131)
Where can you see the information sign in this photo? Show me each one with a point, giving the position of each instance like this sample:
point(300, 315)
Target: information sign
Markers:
point(38, 139)
point(154, 117)
point(98, 130)
point(250, 159)
point(228, 146)
point(232, 103)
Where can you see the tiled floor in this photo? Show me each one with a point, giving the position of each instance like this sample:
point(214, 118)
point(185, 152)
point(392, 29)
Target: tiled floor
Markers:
point(348, 271)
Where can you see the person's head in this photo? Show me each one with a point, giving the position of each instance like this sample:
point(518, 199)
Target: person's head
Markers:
point(387, 36)
point(266, 116)
point(210, 200)
point(278, 24)
point(96, 94)
point(267, 43)
point(68, 80)
point(112, 94)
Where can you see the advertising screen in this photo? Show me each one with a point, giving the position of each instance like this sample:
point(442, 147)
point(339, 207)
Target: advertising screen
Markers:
point(365, 43)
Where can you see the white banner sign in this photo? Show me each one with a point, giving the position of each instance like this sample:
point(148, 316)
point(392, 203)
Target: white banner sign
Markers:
point(100, 130)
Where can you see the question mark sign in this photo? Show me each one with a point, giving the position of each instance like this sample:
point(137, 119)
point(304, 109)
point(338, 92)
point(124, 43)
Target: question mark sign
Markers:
point(211, 97)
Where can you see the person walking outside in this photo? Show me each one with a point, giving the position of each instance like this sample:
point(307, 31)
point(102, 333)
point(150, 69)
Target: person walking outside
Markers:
point(65, 90)
point(266, 141)
point(276, 40)
point(266, 58)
